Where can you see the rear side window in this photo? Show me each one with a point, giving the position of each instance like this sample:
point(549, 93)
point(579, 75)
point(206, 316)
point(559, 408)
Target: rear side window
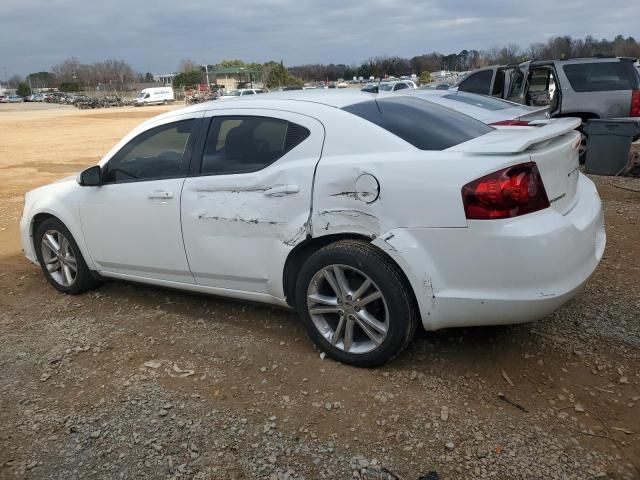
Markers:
point(601, 76)
point(477, 82)
point(423, 124)
point(243, 144)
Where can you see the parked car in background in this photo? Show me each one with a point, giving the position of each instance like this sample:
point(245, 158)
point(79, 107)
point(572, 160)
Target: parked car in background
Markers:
point(241, 92)
point(4, 99)
point(435, 86)
point(370, 88)
point(154, 96)
point(272, 202)
point(396, 85)
point(389, 86)
point(489, 110)
point(15, 99)
point(586, 88)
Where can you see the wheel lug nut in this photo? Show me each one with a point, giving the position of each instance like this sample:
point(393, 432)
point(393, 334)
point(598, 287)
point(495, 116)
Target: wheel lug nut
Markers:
point(349, 298)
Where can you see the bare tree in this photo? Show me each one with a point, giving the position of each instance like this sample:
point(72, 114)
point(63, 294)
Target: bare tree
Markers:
point(188, 65)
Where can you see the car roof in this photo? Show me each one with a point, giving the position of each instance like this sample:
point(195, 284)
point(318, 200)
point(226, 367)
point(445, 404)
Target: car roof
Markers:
point(333, 98)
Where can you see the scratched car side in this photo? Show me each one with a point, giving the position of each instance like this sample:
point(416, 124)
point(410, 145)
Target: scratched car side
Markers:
point(367, 216)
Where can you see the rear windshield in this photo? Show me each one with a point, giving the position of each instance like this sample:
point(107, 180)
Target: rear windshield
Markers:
point(601, 76)
point(481, 101)
point(423, 124)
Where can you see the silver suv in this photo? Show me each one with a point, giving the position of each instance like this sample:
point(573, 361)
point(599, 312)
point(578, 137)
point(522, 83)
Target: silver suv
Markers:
point(598, 87)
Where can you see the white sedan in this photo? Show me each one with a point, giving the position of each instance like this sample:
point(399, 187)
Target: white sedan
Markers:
point(366, 215)
point(490, 110)
point(242, 92)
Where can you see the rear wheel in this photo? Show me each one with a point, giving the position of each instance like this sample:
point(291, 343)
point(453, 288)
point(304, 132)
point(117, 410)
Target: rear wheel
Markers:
point(355, 304)
point(60, 258)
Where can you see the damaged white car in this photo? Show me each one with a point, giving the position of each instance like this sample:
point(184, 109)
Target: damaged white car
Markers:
point(368, 216)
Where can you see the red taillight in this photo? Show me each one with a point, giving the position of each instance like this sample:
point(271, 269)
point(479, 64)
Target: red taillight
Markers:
point(510, 123)
point(507, 193)
point(635, 104)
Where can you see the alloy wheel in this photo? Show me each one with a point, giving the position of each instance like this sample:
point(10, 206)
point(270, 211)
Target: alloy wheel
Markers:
point(59, 258)
point(348, 309)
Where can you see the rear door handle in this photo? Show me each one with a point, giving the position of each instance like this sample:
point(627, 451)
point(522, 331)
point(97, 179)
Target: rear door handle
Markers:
point(281, 190)
point(161, 194)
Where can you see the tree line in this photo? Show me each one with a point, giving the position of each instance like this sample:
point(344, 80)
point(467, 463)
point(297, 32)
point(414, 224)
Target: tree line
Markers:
point(555, 48)
point(72, 75)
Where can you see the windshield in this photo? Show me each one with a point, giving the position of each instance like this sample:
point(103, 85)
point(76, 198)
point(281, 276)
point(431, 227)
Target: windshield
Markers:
point(385, 87)
point(141, 95)
point(235, 93)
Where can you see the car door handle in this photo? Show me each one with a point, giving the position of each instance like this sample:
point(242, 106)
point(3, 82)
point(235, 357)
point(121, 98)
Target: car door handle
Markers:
point(160, 194)
point(280, 190)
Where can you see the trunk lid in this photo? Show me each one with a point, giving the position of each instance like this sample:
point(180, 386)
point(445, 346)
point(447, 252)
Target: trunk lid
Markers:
point(553, 147)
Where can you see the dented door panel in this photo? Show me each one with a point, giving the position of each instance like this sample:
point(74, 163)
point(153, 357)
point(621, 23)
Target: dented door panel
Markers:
point(239, 228)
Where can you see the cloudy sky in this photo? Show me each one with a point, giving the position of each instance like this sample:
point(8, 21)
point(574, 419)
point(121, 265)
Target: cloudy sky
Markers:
point(156, 34)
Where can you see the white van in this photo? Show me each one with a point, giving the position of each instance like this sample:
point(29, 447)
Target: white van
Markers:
point(154, 96)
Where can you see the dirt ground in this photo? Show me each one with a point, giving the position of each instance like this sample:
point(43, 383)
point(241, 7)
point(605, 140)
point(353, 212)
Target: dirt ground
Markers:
point(130, 381)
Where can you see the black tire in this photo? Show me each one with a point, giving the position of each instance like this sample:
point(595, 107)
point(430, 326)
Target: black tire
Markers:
point(582, 155)
point(387, 278)
point(83, 280)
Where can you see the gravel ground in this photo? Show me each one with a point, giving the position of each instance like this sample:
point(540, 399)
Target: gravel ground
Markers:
point(130, 381)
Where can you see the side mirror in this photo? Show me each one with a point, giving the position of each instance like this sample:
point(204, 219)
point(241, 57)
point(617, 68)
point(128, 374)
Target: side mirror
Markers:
point(91, 177)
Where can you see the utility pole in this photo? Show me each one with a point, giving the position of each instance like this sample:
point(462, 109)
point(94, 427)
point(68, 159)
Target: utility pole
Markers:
point(206, 70)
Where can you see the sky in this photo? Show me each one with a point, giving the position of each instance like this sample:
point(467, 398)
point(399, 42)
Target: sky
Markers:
point(153, 36)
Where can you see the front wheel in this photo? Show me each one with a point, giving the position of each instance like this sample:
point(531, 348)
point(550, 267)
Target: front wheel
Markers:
point(60, 258)
point(356, 304)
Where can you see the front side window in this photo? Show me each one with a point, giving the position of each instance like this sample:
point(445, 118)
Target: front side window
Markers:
point(242, 144)
point(517, 85)
point(498, 84)
point(477, 82)
point(385, 87)
point(155, 154)
point(248, 92)
point(421, 123)
point(401, 86)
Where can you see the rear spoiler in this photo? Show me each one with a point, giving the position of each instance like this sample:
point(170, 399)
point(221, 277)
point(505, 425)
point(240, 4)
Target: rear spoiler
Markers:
point(517, 139)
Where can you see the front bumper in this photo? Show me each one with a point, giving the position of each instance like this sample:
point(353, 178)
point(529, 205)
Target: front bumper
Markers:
point(502, 271)
point(27, 241)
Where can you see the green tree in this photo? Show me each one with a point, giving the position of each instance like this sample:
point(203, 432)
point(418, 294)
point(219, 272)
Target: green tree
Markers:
point(425, 77)
point(231, 63)
point(23, 89)
point(69, 87)
point(41, 79)
point(188, 78)
point(276, 75)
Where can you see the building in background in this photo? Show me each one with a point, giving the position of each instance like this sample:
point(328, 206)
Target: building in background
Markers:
point(165, 79)
point(232, 78)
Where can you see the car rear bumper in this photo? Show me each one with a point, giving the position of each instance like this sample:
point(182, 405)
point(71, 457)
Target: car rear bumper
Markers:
point(502, 271)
